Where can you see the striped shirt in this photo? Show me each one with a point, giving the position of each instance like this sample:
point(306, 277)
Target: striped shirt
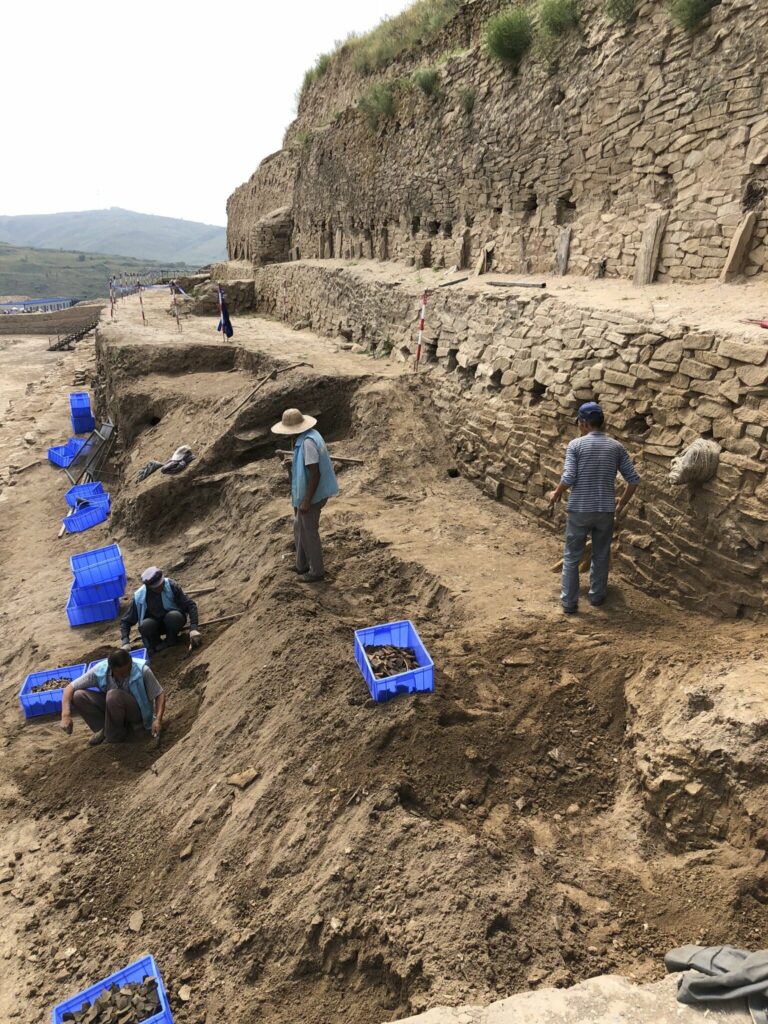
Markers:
point(591, 465)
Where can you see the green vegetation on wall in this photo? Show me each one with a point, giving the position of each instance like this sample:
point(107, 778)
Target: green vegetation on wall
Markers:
point(377, 103)
point(508, 35)
point(688, 13)
point(426, 79)
point(619, 10)
point(556, 17)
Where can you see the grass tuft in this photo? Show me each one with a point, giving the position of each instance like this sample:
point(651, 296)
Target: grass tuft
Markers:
point(508, 35)
point(418, 24)
point(688, 13)
point(556, 17)
point(619, 10)
point(428, 80)
point(377, 103)
point(317, 70)
point(467, 99)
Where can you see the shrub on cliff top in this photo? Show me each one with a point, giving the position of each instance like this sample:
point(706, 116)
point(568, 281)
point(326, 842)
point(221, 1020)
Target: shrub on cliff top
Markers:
point(427, 79)
point(316, 71)
point(688, 13)
point(508, 35)
point(418, 24)
point(619, 10)
point(376, 103)
point(556, 17)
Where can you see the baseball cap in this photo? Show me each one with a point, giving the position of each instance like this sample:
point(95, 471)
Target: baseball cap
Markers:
point(589, 410)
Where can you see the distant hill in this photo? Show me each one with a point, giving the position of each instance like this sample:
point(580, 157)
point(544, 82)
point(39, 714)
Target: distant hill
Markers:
point(46, 272)
point(139, 235)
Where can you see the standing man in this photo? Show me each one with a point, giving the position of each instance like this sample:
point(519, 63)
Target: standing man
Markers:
point(592, 461)
point(313, 482)
point(159, 608)
point(126, 694)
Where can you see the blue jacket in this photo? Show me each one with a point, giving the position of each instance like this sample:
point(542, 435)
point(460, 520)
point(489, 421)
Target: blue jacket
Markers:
point(328, 487)
point(140, 597)
point(135, 687)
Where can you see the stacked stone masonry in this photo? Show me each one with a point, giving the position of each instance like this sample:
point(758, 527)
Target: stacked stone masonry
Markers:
point(507, 371)
point(612, 125)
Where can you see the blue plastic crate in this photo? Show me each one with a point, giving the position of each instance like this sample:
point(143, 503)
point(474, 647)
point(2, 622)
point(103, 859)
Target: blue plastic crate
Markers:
point(89, 513)
point(63, 455)
point(79, 402)
point(96, 592)
point(398, 634)
point(83, 492)
point(140, 654)
point(135, 972)
point(83, 423)
point(99, 611)
point(97, 566)
point(49, 702)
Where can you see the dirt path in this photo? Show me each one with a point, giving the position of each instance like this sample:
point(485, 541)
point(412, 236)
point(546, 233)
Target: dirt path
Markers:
point(576, 796)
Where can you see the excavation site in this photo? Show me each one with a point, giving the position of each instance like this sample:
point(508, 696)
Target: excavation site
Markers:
point(441, 293)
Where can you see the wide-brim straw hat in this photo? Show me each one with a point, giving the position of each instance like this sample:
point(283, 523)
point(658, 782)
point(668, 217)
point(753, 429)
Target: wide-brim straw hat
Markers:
point(294, 422)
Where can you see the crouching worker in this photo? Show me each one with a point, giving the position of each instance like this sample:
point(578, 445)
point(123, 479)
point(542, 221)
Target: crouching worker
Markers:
point(127, 695)
point(313, 482)
point(159, 608)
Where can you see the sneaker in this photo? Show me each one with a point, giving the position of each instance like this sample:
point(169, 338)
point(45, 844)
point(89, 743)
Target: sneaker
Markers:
point(307, 577)
point(570, 609)
point(96, 739)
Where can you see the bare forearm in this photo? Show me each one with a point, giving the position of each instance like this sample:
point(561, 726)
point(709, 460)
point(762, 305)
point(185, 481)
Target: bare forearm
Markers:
point(314, 482)
point(66, 701)
point(160, 707)
point(624, 500)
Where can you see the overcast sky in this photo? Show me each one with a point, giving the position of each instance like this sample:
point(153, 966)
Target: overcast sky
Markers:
point(161, 107)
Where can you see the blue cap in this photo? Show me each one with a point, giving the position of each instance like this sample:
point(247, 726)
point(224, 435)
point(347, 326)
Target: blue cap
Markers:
point(588, 410)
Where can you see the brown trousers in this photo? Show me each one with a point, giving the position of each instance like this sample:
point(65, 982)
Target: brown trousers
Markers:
point(112, 711)
point(306, 536)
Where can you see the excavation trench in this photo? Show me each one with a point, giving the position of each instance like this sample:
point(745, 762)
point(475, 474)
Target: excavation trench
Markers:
point(527, 823)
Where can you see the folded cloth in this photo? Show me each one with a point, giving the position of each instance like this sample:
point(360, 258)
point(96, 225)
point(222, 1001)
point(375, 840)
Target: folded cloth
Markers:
point(148, 469)
point(179, 461)
point(729, 973)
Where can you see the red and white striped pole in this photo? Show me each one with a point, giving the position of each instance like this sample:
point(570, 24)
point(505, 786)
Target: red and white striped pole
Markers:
point(420, 340)
point(141, 303)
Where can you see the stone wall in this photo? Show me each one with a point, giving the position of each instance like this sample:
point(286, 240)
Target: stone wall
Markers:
point(507, 370)
point(607, 128)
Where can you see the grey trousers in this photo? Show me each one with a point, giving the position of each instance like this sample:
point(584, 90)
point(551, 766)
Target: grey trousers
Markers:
point(306, 536)
point(112, 711)
point(152, 629)
point(597, 526)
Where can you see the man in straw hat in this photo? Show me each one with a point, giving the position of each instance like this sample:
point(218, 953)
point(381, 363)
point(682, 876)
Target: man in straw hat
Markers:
point(313, 482)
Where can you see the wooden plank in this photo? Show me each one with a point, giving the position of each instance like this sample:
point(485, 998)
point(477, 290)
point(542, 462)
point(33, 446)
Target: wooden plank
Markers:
point(563, 251)
point(740, 243)
point(650, 247)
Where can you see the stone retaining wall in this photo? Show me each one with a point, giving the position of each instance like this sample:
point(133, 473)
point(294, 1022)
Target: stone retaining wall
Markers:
point(594, 137)
point(509, 368)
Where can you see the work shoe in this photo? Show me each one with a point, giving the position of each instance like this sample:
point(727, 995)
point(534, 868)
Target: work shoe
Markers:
point(301, 572)
point(96, 739)
point(307, 577)
point(596, 601)
point(570, 609)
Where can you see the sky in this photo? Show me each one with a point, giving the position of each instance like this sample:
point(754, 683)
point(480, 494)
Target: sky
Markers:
point(161, 107)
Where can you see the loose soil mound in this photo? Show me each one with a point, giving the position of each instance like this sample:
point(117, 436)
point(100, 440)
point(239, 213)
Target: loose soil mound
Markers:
point(301, 852)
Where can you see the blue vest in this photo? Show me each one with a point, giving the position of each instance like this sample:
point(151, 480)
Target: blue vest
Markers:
point(135, 687)
point(327, 487)
point(140, 597)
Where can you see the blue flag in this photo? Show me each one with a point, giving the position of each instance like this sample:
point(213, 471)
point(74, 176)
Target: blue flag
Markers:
point(225, 324)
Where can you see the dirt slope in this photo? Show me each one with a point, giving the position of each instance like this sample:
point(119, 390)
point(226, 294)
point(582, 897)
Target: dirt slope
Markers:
point(574, 798)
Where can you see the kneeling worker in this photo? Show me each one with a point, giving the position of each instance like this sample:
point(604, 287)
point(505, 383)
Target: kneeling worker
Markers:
point(159, 607)
point(313, 482)
point(128, 694)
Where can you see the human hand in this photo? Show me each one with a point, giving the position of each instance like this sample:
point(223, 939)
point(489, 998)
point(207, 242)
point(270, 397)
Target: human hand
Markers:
point(553, 497)
point(157, 726)
point(126, 646)
point(66, 723)
point(194, 638)
point(305, 506)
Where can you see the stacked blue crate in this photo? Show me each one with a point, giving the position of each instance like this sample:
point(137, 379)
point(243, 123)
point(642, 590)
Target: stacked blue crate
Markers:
point(80, 412)
point(98, 584)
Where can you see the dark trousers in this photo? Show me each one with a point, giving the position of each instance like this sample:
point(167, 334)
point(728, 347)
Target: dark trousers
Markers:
point(112, 711)
point(306, 536)
point(152, 629)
